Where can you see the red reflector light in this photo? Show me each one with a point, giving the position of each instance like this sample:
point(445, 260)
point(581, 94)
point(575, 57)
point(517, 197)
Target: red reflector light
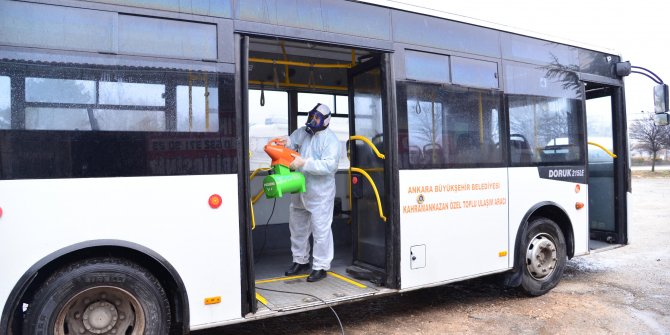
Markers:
point(0, 212)
point(215, 201)
point(577, 188)
point(579, 205)
point(354, 180)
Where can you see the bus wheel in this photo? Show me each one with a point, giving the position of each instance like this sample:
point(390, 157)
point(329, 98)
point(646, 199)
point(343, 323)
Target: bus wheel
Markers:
point(544, 257)
point(99, 296)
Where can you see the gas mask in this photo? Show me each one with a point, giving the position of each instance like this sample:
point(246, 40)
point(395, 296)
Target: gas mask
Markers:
point(317, 119)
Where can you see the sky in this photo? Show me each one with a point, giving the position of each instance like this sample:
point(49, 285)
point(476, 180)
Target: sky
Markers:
point(639, 31)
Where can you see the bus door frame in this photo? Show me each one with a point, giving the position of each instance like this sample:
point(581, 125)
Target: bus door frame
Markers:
point(622, 175)
point(247, 282)
point(383, 61)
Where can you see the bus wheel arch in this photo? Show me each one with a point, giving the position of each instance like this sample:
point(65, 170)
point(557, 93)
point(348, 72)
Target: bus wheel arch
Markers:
point(146, 259)
point(557, 214)
point(100, 295)
point(545, 210)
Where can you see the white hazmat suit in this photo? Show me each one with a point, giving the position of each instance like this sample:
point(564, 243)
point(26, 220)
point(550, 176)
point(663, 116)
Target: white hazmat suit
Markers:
point(312, 211)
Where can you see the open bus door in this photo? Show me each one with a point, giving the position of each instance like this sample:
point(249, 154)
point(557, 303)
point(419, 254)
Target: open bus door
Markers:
point(609, 179)
point(370, 171)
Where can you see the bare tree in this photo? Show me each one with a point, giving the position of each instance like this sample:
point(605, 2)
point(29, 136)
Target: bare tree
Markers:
point(651, 138)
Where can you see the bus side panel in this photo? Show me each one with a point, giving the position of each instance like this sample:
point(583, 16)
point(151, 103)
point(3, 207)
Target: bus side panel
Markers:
point(453, 224)
point(527, 189)
point(169, 215)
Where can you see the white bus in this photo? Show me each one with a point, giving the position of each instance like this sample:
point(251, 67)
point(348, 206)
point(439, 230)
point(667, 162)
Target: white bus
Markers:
point(130, 158)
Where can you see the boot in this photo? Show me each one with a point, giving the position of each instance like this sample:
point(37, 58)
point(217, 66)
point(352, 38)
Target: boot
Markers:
point(296, 268)
point(316, 275)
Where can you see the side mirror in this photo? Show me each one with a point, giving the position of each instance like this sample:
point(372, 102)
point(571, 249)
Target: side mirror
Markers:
point(662, 119)
point(661, 98)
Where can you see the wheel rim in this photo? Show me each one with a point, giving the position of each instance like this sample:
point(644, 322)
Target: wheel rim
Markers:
point(101, 310)
point(541, 257)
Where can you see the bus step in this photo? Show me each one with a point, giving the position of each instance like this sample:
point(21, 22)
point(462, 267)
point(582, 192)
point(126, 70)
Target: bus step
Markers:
point(361, 273)
point(294, 292)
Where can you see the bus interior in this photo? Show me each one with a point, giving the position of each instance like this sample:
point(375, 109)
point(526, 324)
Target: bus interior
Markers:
point(286, 79)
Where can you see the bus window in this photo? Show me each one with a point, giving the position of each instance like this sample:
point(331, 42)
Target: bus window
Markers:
point(339, 121)
point(266, 121)
point(61, 98)
point(5, 104)
point(446, 126)
point(545, 115)
point(203, 114)
point(426, 66)
point(121, 93)
point(342, 104)
point(544, 130)
point(60, 90)
point(472, 72)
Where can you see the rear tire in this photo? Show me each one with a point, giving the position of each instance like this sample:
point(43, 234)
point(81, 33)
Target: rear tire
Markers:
point(543, 258)
point(99, 296)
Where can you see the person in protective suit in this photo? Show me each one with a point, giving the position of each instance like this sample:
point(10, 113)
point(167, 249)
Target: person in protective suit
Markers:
point(311, 212)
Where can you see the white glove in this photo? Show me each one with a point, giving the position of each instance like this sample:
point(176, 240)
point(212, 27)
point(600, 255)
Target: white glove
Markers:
point(297, 163)
point(281, 140)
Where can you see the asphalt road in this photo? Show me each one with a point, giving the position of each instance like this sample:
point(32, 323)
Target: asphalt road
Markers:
point(625, 290)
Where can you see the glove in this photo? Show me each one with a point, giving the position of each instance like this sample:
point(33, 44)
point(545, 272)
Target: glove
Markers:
point(297, 163)
point(281, 140)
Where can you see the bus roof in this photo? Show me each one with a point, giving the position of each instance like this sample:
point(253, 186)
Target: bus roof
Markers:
point(488, 24)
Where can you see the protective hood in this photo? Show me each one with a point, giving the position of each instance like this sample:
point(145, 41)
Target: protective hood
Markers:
point(318, 119)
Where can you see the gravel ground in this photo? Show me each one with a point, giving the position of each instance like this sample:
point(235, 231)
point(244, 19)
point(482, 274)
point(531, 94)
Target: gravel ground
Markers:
point(625, 290)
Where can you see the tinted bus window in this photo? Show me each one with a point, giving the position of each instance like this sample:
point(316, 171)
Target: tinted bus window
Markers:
point(545, 130)
point(60, 90)
point(5, 104)
point(97, 121)
point(545, 116)
point(448, 126)
point(425, 66)
point(472, 72)
point(166, 38)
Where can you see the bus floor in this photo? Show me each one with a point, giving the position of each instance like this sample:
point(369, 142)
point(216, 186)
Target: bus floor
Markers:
point(278, 293)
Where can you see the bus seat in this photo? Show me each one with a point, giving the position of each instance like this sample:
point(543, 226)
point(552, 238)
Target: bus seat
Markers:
point(520, 149)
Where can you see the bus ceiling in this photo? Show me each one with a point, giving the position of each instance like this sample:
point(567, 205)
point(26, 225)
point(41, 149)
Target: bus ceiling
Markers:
point(305, 66)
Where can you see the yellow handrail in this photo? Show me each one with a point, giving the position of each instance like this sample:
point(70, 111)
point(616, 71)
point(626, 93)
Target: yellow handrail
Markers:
point(256, 197)
point(323, 87)
point(253, 219)
point(369, 143)
point(604, 149)
point(374, 188)
point(301, 64)
point(253, 174)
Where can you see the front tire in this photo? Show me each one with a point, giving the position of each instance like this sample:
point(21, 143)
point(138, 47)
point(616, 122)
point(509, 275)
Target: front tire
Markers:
point(99, 296)
point(544, 257)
